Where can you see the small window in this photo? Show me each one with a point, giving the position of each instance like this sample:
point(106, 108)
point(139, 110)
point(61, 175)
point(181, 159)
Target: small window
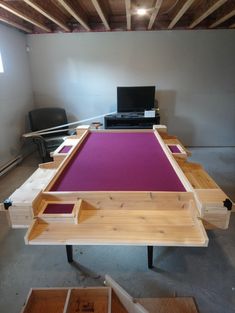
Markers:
point(1, 65)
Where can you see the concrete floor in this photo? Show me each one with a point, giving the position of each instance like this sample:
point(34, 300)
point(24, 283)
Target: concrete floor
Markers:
point(207, 274)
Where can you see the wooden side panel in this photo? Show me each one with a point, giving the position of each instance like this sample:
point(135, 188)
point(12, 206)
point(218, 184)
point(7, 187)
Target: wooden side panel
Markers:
point(20, 217)
point(21, 210)
point(94, 300)
point(213, 212)
point(169, 305)
point(46, 300)
point(117, 306)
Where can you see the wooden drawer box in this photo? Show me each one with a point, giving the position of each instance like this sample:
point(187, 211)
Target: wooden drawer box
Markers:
point(68, 300)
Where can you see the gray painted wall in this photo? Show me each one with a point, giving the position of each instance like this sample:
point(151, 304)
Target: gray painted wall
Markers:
point(16, 96)
point(194, 72)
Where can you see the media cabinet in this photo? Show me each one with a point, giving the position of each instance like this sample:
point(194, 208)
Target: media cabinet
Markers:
point(130, 121)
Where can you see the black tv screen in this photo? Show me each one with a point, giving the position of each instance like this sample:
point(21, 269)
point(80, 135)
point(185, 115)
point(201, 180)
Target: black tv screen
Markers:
point(135, 99)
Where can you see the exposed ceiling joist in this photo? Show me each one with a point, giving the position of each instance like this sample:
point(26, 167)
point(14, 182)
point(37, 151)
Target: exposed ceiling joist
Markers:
point(209, 11)
point(223, 19)
point(42, 16)
point(38, 8)
point(154, 13)
point(128, 13)
point(74, 14)
point(18, 13)
point(101, 14)
point(181, 12)
point(14, 24)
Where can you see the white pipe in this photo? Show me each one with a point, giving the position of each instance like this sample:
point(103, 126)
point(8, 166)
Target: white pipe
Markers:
point(46, 130)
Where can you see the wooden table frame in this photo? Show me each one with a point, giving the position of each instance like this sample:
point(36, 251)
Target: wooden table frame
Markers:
point(170, 219)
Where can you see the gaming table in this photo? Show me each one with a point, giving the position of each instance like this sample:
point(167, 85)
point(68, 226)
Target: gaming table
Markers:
point(120, 187)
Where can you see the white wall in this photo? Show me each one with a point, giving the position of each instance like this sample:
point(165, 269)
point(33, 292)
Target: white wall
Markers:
point(194, 73)
point(16, 96)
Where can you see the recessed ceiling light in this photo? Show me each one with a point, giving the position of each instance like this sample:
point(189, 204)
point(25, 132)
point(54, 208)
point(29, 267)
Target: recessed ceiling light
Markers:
point(141, 11)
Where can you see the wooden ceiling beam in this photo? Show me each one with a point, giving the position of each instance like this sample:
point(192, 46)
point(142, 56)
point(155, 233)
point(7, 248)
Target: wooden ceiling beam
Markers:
point(154, 13)
point(208, 12)
point(42, 11)
point(101, 14)
point(14, 24)
point(181, 12)
point(74, 14)
point(128, 13)
point(9, 8)
point(223, 19)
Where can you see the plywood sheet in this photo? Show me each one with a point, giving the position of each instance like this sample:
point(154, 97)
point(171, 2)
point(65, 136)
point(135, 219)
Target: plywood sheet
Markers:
point(169, 305)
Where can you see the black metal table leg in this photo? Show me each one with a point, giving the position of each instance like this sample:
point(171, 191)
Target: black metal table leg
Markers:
point(150, 256)
point(69, 252)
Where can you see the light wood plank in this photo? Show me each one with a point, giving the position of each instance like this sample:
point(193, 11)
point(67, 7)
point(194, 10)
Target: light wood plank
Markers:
point(128, 13)
point(9, 8)
point(75, 14)
point(173, 163)
point(44, 12)
point(124, 200)
point(163, 218)
point(20, 217)
point(154, 13)
point(14, 24)
point(116, 234)
point(101, 14)
point(197, 176)
point(209, 11)
point(181, 12)
point(64, 162)
point(223, 19)
point(200, 179)
point(167, 305)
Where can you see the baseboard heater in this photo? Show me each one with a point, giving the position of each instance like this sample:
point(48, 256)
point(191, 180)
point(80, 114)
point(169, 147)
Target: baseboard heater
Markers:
point(10, 164)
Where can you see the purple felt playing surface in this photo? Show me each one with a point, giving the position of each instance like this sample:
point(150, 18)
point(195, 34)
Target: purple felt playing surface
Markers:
point(174, 149)
point(58, 208)
point(119, 162)
point(65, 149)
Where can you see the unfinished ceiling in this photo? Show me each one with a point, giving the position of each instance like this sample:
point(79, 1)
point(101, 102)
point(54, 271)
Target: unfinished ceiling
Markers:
point(49, 16)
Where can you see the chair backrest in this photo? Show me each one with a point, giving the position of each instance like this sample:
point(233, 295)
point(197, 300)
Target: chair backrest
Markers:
point(46, 118)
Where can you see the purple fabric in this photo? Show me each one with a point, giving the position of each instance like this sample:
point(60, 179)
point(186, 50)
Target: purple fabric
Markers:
point(174, 149)
point(65, 149)
point(119, 162)
point(58, 208)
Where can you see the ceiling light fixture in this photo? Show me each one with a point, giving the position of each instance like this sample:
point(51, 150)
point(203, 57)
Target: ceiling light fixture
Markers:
point(141, 11)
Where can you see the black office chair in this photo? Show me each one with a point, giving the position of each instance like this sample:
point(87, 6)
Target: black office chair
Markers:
point(45, 118)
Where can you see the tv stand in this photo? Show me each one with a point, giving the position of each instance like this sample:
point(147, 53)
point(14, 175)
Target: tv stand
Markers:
point(130, 120)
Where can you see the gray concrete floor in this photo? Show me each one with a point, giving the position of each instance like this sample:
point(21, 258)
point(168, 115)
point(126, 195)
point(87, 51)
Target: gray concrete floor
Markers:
point(207, 274)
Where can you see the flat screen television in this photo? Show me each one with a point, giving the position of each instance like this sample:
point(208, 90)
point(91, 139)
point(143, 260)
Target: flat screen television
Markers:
point(135, 99)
